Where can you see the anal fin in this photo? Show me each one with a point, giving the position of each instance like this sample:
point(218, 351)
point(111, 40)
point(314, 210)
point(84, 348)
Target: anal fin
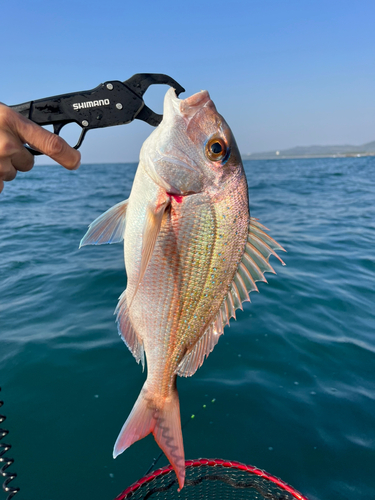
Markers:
point(195, 358)
point(127, 332)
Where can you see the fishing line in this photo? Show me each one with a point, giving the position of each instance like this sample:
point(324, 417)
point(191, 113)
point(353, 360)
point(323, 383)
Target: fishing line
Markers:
point(192, 417)
point(4, 448)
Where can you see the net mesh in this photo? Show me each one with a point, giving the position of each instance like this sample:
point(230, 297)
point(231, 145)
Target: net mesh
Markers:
point(212, 479)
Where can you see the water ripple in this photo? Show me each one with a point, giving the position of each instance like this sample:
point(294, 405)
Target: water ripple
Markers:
point(294, 374)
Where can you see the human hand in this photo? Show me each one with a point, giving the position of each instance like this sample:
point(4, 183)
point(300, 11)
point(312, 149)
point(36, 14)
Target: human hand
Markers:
point(15, 131)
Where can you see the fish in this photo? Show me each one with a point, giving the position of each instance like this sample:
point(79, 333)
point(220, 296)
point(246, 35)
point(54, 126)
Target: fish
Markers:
point(192, 256)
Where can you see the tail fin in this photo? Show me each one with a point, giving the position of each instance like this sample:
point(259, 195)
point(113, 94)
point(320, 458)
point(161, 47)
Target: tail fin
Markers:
point(163, 421)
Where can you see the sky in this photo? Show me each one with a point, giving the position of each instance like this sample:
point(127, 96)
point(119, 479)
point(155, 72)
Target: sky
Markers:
point(282, 73)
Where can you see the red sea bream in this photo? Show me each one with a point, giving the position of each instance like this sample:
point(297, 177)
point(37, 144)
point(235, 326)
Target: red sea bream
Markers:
point(192, 255)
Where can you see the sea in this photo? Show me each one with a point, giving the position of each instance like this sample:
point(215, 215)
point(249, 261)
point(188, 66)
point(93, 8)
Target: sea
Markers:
point(290, 386)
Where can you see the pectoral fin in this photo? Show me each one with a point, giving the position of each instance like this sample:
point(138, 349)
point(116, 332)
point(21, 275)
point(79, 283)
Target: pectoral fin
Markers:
point(108, 227)
point(154, 218)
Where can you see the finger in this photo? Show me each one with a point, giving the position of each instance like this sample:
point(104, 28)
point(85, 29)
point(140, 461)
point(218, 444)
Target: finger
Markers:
point(44, 141)
point(1, 185)
point(7, 170)
point(12, 147)
point(9, 144)
point(56, 148)
point(23, 160)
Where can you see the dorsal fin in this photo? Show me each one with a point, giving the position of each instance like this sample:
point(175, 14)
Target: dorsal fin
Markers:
point(127, 332)
point(252, 267)
point(262, 241)
point(108, 227)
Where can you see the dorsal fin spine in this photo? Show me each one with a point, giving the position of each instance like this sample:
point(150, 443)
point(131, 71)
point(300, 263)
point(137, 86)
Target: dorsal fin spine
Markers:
point(247, 278)
point(255, 222)
point(223, 322)
point(244, 296)
point(236, 296)
point(225, 313)
point(251, 266)
point(219, 325)
point(266, 238)
point(232, 310)
point(259, 259)
point(261, 245)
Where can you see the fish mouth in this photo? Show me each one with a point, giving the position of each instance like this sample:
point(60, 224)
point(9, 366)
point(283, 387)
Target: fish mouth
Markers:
point(191, 105)
point(172, 166)
point(178, 195)
point(186, 108)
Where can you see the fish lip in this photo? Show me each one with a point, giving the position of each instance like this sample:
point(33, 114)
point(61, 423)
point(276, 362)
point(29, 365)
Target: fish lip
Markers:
point(189, 107)
point(192, 104)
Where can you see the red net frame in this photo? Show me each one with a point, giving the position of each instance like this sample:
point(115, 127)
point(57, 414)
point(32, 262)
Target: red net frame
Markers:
point(146, 482)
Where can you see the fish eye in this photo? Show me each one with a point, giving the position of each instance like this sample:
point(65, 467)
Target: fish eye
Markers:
point(216, 149)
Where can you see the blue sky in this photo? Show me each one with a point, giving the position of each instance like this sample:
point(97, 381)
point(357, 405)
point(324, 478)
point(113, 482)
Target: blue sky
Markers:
point(282, 73)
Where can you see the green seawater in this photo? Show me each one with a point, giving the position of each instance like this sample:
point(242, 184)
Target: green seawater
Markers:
point(292, 378)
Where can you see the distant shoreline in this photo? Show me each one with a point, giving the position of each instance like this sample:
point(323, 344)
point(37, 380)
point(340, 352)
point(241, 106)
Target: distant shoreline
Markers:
point(301, 157)
point(316, 151)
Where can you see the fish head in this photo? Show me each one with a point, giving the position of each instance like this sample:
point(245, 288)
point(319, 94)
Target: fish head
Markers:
point(193, 149)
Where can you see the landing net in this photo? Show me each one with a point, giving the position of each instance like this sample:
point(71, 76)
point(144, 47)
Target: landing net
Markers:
point(212, 479)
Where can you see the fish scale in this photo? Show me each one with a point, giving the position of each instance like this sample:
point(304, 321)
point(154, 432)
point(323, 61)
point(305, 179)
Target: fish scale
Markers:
point(193, 283)
point(170, 316)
